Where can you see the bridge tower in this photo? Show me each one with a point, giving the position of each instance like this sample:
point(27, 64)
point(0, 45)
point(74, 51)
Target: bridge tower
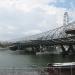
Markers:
point(70, 49)
point(65, 21)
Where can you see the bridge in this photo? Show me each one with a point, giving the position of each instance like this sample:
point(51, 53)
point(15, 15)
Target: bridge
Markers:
point(64, 35)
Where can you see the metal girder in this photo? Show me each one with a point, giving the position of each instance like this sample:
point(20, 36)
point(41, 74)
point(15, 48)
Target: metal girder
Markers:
point(51, 37)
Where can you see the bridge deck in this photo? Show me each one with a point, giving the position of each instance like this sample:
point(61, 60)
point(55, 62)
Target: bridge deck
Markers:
point(70, 31)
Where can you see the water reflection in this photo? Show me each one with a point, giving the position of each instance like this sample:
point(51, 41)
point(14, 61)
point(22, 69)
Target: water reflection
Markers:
point(19, 59)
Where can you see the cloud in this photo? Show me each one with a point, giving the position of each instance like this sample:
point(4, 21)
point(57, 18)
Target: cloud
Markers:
point(24, 5)
point(6, 3)
point(31, 32)
point(19, 18)
point(29, 5)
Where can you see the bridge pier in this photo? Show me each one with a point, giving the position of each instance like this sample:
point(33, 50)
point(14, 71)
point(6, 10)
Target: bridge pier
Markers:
point(38, 48)
point(64, 52)
point(35, 49)
point(70, 50)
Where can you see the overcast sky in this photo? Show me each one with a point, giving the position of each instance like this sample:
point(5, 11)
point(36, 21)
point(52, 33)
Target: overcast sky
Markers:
point(19, 18)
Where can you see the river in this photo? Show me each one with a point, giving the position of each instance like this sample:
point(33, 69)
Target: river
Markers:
point(10, 58)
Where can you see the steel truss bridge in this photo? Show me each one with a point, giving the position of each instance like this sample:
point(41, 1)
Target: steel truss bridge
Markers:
point(64, 35)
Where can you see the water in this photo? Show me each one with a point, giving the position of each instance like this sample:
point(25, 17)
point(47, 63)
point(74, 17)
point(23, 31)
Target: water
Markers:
point(17, 59)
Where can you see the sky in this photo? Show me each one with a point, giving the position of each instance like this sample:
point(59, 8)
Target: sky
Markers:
point(20, 18)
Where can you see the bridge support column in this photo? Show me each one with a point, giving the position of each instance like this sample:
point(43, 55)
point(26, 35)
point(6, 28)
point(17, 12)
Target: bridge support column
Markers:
point(36, 49)
point(33, 50)
point(18, 46)
point(71, 49)
point(63, 50)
